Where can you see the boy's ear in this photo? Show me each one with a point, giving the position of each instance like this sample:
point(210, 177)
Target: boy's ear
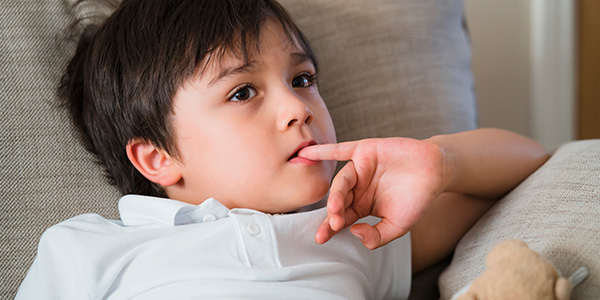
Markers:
point(153, 163)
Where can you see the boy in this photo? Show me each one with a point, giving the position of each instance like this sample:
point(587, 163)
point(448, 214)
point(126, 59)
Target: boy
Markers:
point(214, 104)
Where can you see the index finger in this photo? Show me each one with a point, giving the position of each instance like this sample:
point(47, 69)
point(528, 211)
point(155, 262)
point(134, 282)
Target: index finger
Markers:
point(341, 151)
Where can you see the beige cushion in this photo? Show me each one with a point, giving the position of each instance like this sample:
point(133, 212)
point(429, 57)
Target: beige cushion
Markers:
point(556, 211)
point(389, 68)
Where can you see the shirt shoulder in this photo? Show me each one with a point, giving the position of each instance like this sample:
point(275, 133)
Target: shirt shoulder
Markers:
point(59, 269)
point(90, 220)
point(74, 230)
point(80, 225)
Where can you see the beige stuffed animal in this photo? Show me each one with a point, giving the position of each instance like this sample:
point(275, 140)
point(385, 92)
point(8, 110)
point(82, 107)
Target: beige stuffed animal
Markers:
point(514, 271)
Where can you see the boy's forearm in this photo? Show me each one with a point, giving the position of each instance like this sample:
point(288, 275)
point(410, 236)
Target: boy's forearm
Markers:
point(488, 163)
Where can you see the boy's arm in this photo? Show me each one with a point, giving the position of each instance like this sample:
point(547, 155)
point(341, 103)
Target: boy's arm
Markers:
point(400, 179)
point(488, 163)
point(482, 166)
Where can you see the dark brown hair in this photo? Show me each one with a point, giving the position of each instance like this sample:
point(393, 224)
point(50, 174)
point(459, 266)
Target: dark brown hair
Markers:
point(125, 72)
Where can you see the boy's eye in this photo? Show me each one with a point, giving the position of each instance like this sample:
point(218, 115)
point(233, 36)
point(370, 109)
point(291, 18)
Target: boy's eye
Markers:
point(244, 93)
point(303, 80)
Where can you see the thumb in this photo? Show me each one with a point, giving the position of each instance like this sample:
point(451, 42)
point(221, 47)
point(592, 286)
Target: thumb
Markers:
point(379, 235)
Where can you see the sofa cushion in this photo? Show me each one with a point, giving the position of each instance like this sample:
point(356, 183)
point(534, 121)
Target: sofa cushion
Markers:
point(389, 67)
point(556, 211)
point(45, 175)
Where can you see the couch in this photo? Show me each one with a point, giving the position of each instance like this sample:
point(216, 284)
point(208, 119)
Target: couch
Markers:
point(388, 68)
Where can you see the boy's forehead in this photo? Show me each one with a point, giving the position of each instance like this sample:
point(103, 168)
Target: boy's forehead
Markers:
point(294, 57)
point(230, 63)
point(272, 35)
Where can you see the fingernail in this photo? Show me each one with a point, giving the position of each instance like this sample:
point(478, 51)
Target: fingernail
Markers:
point(331, 223)
point(318, 238)
point(358, 235)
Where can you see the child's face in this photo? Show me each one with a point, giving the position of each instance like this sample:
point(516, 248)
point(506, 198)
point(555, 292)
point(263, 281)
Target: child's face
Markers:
point(237, 127)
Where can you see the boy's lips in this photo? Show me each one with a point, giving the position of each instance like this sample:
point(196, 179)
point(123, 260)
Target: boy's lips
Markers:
point(294, 158)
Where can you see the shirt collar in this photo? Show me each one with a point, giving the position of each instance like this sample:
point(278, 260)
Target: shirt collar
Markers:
point(137, 210)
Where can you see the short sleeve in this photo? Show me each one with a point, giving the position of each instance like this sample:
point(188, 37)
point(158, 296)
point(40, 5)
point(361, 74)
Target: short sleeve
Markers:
point(53, 274)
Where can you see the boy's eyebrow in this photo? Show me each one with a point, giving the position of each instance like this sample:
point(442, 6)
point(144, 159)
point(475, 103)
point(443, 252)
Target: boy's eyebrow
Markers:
point(298, 58)
point(232, 71)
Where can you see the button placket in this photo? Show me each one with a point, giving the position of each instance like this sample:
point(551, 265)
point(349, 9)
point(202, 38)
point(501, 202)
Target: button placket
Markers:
point(257, 239)
point(253, 229)
point(208, 218)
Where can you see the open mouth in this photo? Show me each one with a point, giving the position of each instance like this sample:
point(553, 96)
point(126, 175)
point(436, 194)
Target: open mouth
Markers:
point(294, 155)
point(300, 147)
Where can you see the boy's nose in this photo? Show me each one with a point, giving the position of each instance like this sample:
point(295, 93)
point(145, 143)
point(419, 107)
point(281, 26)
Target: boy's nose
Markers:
point(293, 111)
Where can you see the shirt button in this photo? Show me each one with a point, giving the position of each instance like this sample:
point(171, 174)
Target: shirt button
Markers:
point(208, 218)
point(253, 229)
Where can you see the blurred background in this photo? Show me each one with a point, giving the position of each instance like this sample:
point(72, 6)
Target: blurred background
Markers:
point(536, 65)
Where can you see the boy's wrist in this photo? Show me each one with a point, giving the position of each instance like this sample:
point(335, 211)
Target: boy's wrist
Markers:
point(448, 162)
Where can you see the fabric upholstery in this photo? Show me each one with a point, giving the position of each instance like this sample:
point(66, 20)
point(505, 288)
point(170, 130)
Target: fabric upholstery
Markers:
point(556, 211)
point(45, 176)
point(388, 68)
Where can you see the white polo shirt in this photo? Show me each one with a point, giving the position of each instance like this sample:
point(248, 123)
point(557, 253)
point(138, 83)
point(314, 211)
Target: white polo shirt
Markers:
point(166, 249)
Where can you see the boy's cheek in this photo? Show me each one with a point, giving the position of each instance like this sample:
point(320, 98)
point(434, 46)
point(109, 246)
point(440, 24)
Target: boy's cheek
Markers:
point(321, 189)
point(330, 168)
point(332, 165)
point(324, 123)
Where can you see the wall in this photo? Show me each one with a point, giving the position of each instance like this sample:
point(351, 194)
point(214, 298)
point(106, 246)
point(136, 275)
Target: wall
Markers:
point(523, 64)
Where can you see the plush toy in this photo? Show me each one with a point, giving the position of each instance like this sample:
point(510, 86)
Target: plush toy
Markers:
point(514, 271)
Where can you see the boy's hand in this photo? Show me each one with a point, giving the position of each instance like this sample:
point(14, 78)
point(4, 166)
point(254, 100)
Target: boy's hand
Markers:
point(392, 178)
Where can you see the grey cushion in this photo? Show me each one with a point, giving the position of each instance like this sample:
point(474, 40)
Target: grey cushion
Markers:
point(556, 211)
point(389, 68)
point(45, 176)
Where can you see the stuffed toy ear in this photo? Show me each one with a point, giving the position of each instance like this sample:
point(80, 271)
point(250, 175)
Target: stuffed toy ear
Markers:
point(563, 289)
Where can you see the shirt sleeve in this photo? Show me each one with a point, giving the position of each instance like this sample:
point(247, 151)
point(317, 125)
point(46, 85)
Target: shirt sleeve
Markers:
point(53, 274)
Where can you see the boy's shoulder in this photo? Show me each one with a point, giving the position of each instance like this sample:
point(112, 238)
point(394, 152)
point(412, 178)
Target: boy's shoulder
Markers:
point(75, 230)
point(86, 222)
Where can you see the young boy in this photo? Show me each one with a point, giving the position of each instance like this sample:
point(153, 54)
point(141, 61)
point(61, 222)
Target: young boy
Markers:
point(207, 116)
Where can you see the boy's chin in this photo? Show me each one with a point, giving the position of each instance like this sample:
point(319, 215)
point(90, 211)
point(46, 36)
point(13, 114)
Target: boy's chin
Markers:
point(313, 201)
point(294, 199)
point(319, 204)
